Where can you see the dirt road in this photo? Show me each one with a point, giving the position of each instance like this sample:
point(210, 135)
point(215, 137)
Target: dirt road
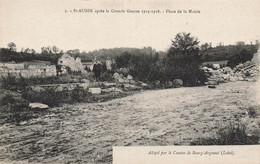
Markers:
point(86, 132)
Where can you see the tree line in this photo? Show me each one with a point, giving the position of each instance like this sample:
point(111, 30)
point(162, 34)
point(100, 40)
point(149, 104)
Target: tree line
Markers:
point(182, 60)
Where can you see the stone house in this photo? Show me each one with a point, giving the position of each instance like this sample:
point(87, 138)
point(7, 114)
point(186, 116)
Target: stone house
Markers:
point(74, 64)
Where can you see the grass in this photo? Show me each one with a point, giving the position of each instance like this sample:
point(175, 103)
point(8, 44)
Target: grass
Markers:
point(233, 134)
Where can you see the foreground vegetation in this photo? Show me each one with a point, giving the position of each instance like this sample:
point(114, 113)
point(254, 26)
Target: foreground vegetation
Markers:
point(233, 134)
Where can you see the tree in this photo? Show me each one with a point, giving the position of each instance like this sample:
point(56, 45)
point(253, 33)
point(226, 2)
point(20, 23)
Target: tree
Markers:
point(205, 46)
point(33, 51)
point(74, 53)
point(183, 45)
point(241, 57)
point(183, 60)
point(46, 50)
point(12, 46)
point(55, 49)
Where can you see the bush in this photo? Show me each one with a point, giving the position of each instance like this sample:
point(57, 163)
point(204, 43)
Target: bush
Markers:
point(7, 99)
point(48, 96)
point(13, 109)
point(252, 111)
point(144, 67)
point(242, 56)
point(77, 94)
point(233, 134)
point(15, 102)
point(185, 68)
point(9, 82)
point(105, 76)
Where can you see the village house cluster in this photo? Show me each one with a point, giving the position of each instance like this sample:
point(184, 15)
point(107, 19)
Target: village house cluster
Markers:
point(28, 69)
point(37, 68)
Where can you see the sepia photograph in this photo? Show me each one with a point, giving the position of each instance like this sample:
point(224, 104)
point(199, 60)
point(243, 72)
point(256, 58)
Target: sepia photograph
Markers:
point(84, 80)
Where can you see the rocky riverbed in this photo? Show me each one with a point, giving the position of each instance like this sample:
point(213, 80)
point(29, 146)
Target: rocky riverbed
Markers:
point(86, 133)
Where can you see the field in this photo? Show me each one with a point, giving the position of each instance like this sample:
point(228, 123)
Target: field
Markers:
point(83, 133)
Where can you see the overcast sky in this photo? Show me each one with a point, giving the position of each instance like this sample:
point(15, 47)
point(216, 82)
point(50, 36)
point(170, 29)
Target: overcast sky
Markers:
point(38, 23)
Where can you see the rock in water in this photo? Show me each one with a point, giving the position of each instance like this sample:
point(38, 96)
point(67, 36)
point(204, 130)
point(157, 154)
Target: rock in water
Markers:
point(38, 105)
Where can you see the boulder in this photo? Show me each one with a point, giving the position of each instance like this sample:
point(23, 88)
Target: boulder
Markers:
point(227, 76)
point(109, 84)
point(130, 77)
point(85, 81)
point(38, 106)
point(131, 82)
point(144, 85)
point(76, 80)
point(177, 82)
point(124, 71)
point(239, 66)
point(216, 66)
point(121, 80)
point(210, 70)
point(84, 85)
point(113, 89)
point(211, 86)
point(37, 88)
point(95, 90)
point(116, 75)
point(211, 83)
point(132, 87)
point(170, 84)
point(59, 88)
point(121, 76)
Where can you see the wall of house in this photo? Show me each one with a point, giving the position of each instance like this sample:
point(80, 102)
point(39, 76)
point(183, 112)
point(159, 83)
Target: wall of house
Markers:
point(75, 65)
point(33, 70)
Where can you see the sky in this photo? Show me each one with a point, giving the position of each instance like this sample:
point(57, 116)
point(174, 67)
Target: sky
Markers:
point(40, 23)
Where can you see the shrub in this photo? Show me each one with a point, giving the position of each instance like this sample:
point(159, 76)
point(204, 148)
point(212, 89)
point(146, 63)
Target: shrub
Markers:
point(14, 102)
point(252, 111)
point(48, 96)
point(233, 134)
point(105, 76)
point(13, 108)
point(241, 57)
point(77, 94)
point(9, 82)
point(144, 67)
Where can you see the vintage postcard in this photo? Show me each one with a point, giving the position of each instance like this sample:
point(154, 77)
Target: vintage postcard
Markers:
point(127, 81)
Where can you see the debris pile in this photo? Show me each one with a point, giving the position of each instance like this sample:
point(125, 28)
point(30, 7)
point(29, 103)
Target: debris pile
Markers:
point(120, 78)
point(247, 71)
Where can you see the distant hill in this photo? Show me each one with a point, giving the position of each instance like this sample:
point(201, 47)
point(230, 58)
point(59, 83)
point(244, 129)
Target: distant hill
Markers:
point(221, 53)
point(103, 54)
